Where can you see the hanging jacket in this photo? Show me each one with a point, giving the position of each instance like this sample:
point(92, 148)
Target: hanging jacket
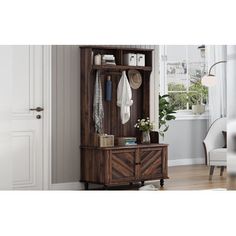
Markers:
point(98, 112)
point(124, 98)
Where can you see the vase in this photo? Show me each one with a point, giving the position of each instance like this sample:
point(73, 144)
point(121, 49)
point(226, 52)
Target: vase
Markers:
point(198, 109)
point(161, 138)
point(145, 137)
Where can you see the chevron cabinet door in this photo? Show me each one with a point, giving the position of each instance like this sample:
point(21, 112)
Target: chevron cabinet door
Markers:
point(151, 163)
point(123, 165)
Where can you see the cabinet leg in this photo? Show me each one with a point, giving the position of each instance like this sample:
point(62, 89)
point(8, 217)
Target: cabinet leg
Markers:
point(86, 186)
point(105, 187)
point(142, 183)
point(162, 182)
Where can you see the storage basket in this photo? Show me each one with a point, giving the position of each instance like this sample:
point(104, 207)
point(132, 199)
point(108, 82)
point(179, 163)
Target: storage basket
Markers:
point(104, 140)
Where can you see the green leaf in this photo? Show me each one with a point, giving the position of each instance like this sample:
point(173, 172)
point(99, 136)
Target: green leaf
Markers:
point(170, 117)
point(162, 122)
point(167, 127)
point(166, 111)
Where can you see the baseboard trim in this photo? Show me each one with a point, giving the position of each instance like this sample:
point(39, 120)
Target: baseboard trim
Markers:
point(67, 186)
point(184, 162)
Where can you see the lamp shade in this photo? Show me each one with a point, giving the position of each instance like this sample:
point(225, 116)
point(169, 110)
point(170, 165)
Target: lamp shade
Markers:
point(208, 80)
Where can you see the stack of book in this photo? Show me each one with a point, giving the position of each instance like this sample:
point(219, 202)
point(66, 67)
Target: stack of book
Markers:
point(108, 60)
point(124, 141)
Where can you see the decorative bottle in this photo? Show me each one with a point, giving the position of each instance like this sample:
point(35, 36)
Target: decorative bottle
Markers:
point(108, 95)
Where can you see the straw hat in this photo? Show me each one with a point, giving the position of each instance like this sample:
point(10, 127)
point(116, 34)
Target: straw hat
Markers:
point(135, 79)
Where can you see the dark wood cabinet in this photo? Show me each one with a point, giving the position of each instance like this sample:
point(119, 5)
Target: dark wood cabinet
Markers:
point(119, 164)
point(122, 165)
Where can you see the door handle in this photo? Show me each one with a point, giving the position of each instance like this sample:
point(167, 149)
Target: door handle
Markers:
point(38, 109)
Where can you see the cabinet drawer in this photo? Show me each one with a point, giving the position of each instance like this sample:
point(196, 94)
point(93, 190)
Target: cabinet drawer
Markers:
point(151, 160)
point(122, 165)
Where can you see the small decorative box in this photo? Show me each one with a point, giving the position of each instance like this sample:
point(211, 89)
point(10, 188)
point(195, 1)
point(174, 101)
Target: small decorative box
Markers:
point(140, 59)
point(104, 140)
point(130, 59)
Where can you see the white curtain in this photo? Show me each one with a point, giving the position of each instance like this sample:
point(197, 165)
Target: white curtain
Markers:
point(231, 110)
point(217, 93)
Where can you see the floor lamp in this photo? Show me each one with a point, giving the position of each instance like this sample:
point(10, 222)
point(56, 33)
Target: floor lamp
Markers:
point(209, 80)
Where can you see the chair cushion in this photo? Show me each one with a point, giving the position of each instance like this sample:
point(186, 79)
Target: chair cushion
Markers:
point(218, 156)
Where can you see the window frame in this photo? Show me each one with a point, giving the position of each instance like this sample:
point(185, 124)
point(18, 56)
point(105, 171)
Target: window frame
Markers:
point(185, 114)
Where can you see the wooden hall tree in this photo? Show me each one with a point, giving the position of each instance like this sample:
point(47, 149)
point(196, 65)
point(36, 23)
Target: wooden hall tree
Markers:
point(118, 164)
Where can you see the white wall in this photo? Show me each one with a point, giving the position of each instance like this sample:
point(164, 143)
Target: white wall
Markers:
point(185, 139)
point(65, 114)
point(5, 117)
point(231, 81)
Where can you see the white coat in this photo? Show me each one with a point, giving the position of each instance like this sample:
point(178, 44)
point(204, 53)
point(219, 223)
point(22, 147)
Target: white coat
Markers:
point(124, 98)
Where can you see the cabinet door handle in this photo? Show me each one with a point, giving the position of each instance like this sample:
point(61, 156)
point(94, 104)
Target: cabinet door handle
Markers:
point(138, 163)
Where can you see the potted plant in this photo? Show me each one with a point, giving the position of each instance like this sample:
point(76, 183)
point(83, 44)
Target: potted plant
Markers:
point(145, 125)
point(197, 97)
point(166, 111)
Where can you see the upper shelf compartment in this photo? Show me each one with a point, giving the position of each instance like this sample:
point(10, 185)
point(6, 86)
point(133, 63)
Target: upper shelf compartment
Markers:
point(117, 58)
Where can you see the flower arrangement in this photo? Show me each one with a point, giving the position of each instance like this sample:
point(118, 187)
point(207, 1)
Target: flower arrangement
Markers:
point(144, 124)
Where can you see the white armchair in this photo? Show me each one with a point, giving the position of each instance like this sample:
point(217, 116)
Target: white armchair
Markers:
point(214, 143)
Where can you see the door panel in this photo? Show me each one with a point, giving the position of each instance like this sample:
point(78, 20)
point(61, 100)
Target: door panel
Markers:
point(151, 163)
point(27, 145)
point(23, 158)
point(22, 69)
point(123, 165)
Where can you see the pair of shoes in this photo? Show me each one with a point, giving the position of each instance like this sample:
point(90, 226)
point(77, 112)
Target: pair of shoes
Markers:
point(149, 187)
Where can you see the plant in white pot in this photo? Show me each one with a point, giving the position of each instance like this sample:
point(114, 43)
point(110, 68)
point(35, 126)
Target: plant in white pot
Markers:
point(197, 97)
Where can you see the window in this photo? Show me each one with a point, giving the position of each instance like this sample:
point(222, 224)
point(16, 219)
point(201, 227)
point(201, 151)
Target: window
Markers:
point(181, 69)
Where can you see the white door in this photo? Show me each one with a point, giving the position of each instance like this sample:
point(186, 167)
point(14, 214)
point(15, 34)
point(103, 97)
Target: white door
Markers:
point(27, 130)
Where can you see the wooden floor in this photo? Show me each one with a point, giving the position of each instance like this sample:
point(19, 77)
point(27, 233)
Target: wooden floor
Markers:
point(192, 177)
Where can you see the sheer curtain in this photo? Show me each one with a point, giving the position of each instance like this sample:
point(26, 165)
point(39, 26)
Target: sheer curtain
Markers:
point(217, 93)
point(231, 113)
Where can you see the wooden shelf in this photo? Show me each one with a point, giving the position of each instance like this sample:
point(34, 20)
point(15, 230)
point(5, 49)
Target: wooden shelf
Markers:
point(127, 146)
point(119, 67)
point(103, 47)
